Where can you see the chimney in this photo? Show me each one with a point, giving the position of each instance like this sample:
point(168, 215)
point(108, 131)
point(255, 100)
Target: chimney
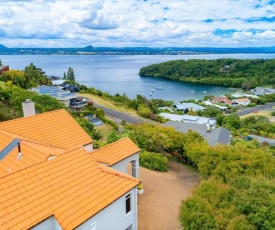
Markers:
point(208, 128)
point(28, 108)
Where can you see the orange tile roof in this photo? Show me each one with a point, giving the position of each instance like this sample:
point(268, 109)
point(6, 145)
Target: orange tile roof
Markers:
point(31, 153)
point(222, 99)
point(61, 187)
point(56, 128)
point(242, 99)
point(115, 152)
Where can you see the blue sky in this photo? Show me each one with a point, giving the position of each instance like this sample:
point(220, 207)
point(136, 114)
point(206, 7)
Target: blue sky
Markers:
point(151, 23)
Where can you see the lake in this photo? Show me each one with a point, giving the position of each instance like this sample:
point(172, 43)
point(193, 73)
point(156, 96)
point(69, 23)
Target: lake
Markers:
point(119, 73)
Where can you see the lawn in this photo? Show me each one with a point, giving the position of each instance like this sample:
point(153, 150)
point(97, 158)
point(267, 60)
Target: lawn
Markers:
point(105, 130)
point(266, 113)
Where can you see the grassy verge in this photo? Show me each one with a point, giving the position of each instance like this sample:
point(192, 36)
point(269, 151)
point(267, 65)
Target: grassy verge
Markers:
point(109, 104)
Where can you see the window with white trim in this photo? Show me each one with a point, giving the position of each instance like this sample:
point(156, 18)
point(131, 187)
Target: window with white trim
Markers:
point(128, 203)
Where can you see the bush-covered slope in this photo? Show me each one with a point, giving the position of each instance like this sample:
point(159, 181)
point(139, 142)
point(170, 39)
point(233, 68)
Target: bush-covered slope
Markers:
point(225, 72)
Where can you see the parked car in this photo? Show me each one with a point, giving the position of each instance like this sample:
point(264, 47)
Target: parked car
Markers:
point(248, 138)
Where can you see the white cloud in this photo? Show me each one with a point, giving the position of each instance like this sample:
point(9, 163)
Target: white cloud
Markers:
point(33, 23)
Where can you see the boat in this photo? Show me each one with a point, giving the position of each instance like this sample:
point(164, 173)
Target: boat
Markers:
point(204, 91)
point(159, 88)
point(152, 90)
point(192, 91)
point(151, 94)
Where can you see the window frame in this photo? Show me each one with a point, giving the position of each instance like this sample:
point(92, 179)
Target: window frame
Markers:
point(128, 204)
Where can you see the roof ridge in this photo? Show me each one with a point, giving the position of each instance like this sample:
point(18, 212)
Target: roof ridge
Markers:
point(115, 172)
point(29, 117)
point(11, 127)
point(106, 146)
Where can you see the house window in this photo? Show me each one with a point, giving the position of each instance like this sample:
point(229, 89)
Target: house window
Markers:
point(128, 203)
point(130, 227)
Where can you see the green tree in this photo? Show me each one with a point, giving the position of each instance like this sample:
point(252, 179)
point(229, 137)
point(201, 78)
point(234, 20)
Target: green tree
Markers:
point(64, 76)
point(70, 75)
point(231, 121)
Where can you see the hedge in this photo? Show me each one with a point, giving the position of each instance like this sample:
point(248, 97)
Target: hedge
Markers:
point(154, 161)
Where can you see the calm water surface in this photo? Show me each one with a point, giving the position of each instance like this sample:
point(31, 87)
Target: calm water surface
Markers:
point(119, 73)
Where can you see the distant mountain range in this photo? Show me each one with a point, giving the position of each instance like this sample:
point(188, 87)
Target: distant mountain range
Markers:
point(90, 50)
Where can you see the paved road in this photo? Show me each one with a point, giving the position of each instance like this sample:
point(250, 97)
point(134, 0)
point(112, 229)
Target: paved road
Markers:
point(258, 107)
point(271, 142)
point(118, 116)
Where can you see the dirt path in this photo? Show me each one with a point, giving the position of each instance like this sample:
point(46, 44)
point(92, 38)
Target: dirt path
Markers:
point(158, 206)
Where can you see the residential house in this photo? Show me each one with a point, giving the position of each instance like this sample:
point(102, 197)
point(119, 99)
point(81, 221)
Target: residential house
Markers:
point(241, 95)
point(242, 101)
point(190, 119)
point(57, 82)
point(222, 108)
point(66, 97)
point(185, 107)
point(4, 69)
point(51, 178)
point(213, 137)
point(262, 91)
point(223, 100)
point(71, 88)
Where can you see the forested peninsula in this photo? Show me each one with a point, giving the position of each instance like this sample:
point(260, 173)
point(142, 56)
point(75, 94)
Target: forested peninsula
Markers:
point(237, 73)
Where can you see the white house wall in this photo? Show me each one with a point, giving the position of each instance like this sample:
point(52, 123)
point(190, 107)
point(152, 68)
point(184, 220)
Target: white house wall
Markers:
point(114, 216)
point(122, 165)
point(49, 223)
point(88, 148)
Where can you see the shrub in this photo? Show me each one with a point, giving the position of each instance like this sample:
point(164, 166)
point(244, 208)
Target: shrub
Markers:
point(251, 105)
point(273, 113)
point(154, 161)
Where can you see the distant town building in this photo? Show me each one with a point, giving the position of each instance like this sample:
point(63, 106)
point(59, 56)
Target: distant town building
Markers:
point(4, 69)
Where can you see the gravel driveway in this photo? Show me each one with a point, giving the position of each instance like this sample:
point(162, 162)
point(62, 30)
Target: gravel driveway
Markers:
point(158, 206)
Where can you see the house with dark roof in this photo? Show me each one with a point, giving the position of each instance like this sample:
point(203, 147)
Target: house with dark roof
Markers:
point(262, 91)
point(4, 69)
point(242, 101)
point(52, 178)
point(69, 98)
point(71, 88)
point(185, 107)
point(190, 119)
point(213, 137)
